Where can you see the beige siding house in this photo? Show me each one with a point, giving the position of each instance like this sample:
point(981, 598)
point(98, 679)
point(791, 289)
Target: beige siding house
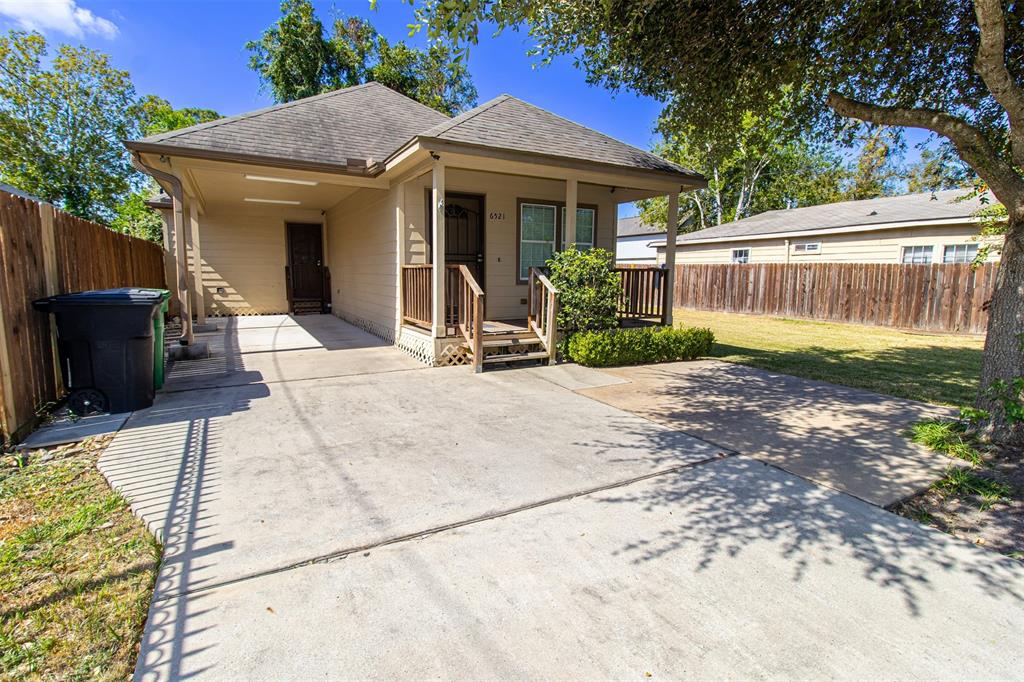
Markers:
point(933, 227)
point(425, 230)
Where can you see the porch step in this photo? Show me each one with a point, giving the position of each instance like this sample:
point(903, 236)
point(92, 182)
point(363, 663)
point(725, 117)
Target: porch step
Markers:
point(505, 336)
point(515, 357)
point(505, 343)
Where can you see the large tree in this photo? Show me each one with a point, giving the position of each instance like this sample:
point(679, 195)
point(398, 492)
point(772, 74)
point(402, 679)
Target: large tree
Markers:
point(953, 67)
point(61, 125)
point(295, 58)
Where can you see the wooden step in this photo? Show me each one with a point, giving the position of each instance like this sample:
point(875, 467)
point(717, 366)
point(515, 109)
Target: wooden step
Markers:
point(510, 343)
point(515, 357)
point(502, 336)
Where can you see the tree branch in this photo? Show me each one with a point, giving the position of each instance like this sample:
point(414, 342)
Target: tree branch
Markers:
point(990, 64)
point(970, 143)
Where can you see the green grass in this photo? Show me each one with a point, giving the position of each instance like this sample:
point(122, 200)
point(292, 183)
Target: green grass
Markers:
point(76, 570)
point(948, 437)
point(933, 368)
point(966, 483)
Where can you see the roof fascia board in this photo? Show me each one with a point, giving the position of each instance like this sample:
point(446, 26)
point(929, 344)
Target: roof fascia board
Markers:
point(655, 179)
point(937, 222)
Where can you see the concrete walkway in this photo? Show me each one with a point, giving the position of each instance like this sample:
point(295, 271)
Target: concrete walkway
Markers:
point(394, 521)
point(845, 438)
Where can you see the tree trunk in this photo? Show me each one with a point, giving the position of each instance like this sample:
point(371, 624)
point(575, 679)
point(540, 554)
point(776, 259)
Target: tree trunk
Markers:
point(1004, 344)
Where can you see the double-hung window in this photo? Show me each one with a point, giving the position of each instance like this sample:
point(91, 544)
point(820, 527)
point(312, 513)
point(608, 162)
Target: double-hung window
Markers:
point(917, 255)
point(959, 253)
point(542, 232)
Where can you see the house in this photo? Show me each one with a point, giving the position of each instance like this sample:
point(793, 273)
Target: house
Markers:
point(634, 239)
point(425, 230)
point(932, 227)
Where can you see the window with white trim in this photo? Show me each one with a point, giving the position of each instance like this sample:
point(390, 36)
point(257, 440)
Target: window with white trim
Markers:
point(806, 248)
point(537, 229)
point(959, 253)
point(584, 228)
point(917, 255)
point(741, 255)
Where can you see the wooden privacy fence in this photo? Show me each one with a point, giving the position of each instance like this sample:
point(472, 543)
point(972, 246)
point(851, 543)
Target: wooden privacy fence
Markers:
point(942, 298)
point(43, 252)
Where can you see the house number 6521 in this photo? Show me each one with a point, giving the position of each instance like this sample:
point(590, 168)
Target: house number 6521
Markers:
point(497, 215)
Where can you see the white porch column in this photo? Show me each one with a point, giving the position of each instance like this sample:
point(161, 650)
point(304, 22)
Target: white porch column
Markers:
point(181, 270)
point(437, 203)
point(400, 254)
point(571, 191)
point(670, 252)
point(197, 264)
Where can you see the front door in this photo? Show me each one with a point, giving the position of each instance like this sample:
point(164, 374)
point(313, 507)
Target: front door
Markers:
point(464, 233)
point(305, 266)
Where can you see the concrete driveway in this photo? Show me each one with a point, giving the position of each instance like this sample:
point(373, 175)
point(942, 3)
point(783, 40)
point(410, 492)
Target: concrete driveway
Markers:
point(845, 438)
point(395, 521)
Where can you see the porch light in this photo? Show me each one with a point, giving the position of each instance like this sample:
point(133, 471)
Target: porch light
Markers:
point(290, 181)
point(273, 201)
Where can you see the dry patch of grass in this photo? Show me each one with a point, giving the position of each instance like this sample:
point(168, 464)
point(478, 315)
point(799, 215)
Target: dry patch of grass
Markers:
point(76, 568)
point(934, 368)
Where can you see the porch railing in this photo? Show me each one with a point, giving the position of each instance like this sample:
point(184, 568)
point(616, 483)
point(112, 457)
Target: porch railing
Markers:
point(645, 293)
point(417, 295)
point(542, 310)
point(464, 308)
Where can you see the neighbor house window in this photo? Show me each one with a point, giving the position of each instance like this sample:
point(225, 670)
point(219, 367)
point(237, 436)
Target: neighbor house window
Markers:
point(741, 255)
point(537, 231)
point(959, 253)
point(917, 254)
point(806, 248)
point(542, 232)
point(584, 228)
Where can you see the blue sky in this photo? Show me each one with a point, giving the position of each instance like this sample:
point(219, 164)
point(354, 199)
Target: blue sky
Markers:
point(209, 64)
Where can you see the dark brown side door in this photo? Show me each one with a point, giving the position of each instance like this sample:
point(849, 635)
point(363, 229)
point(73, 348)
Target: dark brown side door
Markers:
point(305, 261)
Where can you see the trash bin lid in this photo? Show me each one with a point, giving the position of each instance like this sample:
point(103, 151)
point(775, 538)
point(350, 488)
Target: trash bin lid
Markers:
point(122, 296)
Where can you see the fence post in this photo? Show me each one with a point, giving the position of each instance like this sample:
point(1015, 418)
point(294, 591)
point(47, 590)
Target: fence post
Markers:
point(50, 274)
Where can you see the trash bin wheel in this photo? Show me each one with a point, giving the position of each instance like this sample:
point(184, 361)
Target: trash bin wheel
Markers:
point(86, 401)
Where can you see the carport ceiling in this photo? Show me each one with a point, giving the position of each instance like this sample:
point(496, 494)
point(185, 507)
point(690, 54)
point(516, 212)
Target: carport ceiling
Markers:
point(234, 187)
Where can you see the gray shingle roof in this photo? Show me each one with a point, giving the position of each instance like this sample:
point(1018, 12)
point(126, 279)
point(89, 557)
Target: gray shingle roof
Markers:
point(509, 123)
point(866, 213)
point(372, 122)
point(367, 121)
point(633, 226)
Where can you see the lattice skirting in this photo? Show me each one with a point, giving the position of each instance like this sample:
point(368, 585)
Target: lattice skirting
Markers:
point(419, 346)
point(379, 330)
point(452, 354)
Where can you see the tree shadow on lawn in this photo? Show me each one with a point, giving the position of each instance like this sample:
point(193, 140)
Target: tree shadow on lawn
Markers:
point(934, 373)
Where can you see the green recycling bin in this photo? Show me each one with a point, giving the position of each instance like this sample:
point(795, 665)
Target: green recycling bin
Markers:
point(158, 343)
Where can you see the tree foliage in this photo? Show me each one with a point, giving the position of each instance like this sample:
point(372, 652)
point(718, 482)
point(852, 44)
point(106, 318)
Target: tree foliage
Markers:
point(295, 58)
point(939, 169)
point(61, 125)
point(953, 67)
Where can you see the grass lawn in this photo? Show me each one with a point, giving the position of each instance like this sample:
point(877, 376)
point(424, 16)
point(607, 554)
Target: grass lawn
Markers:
point(932, 368)
point(76, 569)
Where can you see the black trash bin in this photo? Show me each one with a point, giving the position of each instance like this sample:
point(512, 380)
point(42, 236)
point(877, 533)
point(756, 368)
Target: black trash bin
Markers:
point(105, 340)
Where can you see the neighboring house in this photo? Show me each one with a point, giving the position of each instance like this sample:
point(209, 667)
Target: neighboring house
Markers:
point(633, 242)
point(933, 227)
point(330, 202)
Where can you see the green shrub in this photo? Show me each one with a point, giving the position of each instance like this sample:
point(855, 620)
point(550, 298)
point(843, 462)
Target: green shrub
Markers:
point(611, 347)
point(588, 290)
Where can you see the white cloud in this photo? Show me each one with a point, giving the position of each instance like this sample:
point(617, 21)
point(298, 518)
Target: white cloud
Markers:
point(63, 16)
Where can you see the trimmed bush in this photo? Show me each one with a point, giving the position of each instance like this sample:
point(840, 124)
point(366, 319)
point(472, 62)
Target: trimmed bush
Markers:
point(588, 289)
point(638, 345)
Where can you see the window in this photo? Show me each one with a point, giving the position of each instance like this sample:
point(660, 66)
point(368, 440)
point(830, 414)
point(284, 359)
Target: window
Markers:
point(584, 228)
point(537, 236)
point(542, 232)
point(917, 254)
point(741, 255)
point(805, 248)
point(959, 253)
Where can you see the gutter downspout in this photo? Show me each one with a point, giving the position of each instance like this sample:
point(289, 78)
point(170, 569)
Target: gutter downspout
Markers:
point(787, 251)
point(181, 257)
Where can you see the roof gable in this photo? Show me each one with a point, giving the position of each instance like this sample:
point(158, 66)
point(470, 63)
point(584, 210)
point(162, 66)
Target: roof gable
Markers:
point(369, 122)
point(509, 123)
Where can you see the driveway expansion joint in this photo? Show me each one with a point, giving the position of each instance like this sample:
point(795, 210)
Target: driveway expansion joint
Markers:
point(340, 554)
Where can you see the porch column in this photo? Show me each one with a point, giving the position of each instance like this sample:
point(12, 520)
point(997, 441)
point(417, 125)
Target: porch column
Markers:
point(181, 270)
point(197, 264)
point(670, 254)
point(437, 203)
point(400, 255)
point(571, 190)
